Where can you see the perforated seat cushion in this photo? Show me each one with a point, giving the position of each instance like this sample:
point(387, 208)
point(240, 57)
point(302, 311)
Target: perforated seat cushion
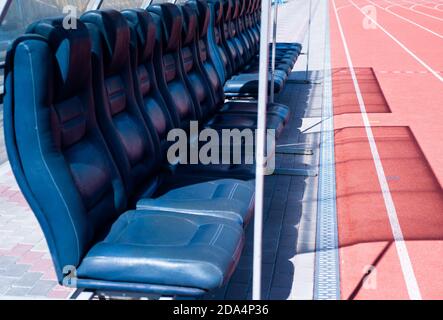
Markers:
point(166, 248)
point(227, 198)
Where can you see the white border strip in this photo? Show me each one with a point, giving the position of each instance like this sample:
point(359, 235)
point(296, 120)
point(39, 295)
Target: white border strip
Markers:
point(327, 267)
point(402, 251)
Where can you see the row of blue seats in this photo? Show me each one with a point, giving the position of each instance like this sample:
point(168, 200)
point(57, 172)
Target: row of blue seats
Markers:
point(87, 112)
point(234, 45)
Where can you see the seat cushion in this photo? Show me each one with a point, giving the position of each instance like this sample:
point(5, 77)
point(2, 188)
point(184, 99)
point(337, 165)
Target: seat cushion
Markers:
point(288, 46)
point(282, 64)
point(247, 107)
point(227, 198)
point(166, 248)
point(247, 84)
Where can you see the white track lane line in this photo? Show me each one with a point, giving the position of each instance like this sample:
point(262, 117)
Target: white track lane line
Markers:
point(428, 4)
point(413, 55)
point(408, 20)
point(413, 10)
point(402, 251)
point(430, 15)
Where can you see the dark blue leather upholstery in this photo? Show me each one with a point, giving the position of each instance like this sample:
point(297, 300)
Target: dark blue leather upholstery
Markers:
point(154, 108)
point(201, 9)
point(181, 66)
point(69, 178)
point(208, 99)
point(54, 145)
point(227, 198)
point(168, 71)
point(234, 33)
point(216, 45)
point(135, 149)
point(136, 18)
point(166, 249)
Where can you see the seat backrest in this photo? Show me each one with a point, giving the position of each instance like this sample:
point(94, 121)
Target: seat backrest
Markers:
point(194, 73)
point(251, 26)
point(168, 20)
point(135, 150)
point(216, 44)
point(232, 26)
point(153, 106)
point(202, 10)
point(252, 29)
point(241, 41)
point(244, 29)
point(228, 37)
point(257, 18)
point(55, 147)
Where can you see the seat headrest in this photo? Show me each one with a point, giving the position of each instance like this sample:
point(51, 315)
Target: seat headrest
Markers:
point(72, 52)
point(190, 23)
point(144, 29)
point(115, 34)
point(171, 24)
point(203, 14)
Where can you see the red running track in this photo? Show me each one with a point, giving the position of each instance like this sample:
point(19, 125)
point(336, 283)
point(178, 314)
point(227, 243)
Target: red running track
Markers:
point(399, 70)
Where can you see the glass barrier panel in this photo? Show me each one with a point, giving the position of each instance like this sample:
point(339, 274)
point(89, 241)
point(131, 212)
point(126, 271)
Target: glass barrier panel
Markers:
point(24, 12)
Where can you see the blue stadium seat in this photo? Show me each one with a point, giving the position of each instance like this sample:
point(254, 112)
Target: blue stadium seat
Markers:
point(185, 56)
point(159, 110)
point(135, 150)
point(201, 9)
point(235, 56)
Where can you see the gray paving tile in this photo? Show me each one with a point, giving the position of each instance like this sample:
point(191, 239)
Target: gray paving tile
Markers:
point(42, 287)
point(6, 261)
point(15, 270)
point(17, 291)
point(28, 279)
point(5, 284)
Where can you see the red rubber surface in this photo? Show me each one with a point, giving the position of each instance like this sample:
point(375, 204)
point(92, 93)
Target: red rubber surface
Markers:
point(404, 103)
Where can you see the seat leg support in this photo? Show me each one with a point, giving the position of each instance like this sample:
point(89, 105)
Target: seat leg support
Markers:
point(81, 294)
